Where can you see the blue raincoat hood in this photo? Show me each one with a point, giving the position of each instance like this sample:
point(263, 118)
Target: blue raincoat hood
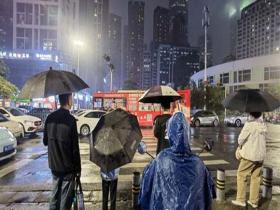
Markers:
point(178, 132)
point(176, 179)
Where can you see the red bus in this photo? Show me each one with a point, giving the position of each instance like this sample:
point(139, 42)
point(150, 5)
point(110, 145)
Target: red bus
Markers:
point(127, 99)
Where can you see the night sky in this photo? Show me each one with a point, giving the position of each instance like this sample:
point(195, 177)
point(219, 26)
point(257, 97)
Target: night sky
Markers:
point(223, 13)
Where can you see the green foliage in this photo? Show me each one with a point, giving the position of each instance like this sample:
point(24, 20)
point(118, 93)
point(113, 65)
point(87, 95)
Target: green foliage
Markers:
point(7, 89)
point(214, 97)
point(3, 69)
point(130, 85)
point(274, 89)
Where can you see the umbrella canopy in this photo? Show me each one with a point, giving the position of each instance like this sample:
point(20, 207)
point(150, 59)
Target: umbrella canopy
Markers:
point(159, 94)
point(115, 140)
point(50, 83)
point(251, 100)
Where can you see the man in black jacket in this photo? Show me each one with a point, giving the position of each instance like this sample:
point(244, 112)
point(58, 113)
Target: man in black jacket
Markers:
point(160, 127)
point(61, 137)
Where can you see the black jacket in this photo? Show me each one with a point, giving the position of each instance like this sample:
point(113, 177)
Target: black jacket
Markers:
point(160, 131)
point(61, 137)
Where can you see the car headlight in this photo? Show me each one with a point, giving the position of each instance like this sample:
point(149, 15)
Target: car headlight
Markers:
point(28, 122)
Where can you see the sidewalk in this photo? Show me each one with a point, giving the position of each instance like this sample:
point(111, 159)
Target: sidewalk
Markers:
point(36, 200)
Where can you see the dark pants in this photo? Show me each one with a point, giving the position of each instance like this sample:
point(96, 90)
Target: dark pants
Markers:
point(63, 192)
point(109, 186)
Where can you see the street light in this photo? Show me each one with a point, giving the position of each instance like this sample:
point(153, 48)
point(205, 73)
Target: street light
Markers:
point(111, 69)
point(79, 44)
point(205, 25)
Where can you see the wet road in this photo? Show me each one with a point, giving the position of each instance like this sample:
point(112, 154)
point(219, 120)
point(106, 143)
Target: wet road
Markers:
point(30, 164)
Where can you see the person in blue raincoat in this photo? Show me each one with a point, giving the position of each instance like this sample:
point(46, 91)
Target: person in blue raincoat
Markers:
point(177, 179)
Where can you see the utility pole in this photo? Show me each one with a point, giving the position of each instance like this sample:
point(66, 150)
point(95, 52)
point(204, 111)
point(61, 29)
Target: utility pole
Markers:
point(205, 25)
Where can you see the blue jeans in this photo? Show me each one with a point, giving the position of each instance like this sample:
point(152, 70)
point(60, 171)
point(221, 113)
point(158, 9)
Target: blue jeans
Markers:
point(63, 192)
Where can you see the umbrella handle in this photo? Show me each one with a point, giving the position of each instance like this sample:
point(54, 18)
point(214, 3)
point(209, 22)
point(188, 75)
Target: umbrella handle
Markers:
point(150, 155)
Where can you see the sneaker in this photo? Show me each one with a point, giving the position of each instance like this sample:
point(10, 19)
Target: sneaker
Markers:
point(252, 204)
point(238, 203)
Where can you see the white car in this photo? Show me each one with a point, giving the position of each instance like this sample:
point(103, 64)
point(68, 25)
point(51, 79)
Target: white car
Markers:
point(8, 144)
point(29, 123)
point(236, 120)
point(15, 128)
point(87, 120)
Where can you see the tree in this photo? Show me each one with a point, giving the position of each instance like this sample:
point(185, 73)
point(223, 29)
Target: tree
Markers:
point(130, 85)
point(7, 89)
point(214, 97)
point(274, 89)
point(3, 69)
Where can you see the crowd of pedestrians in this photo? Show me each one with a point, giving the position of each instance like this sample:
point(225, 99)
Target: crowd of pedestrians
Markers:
point(176, 179)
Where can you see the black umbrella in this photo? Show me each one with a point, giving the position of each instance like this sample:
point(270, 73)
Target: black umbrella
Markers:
point(159, 94)
point(251, 100)
point(50, 83)
point(115, 140)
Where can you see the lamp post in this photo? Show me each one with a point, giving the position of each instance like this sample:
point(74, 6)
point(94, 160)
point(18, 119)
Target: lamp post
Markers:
point(78, 44)
point(111, 66)
point(205, 25)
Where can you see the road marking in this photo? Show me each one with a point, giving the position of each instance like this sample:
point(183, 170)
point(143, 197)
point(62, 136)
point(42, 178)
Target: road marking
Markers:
point(17, 165)
point(14, 167)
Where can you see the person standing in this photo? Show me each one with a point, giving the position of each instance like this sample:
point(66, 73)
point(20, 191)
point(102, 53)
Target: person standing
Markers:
point(252, 144)
point(160, 127)
point(109, 184)
point(61, 137)
point(177, 179)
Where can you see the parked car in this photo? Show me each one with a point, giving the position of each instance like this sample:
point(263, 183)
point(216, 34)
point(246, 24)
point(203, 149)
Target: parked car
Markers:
point(236, 120)
point(26, 107)
point(8, 144)
point(41, 113)
point(29, 123)
point(25, 111)
point(87, 120)
point(205, 118)
point(15, 128)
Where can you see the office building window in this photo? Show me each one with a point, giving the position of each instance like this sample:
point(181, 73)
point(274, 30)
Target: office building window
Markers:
point(210, 80)
point(224, 78)
point(48, 39)
point(24, 13)
point(242, 76)
point(271, 73)
point(48, 15)
point(23, 38)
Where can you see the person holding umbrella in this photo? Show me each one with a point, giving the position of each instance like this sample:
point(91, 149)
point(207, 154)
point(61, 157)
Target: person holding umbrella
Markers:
point(61, 137)
point(251, 141)
point(251, 152)
point(163, 95)
point(160, 127)
point(60, 132)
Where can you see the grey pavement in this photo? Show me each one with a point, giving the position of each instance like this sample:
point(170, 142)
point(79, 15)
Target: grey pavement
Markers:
point(25, 183)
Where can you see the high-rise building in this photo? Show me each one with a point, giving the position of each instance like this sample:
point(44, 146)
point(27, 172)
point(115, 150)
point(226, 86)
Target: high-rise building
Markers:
point(178, 22)
point(161, 26)
point(258, 29)
point(6, 25)
point(93, 19)
point(115, 48)
point(124, 55)
point(135, 41)
point(147, 73)
point(39, 36)
point(175, 65)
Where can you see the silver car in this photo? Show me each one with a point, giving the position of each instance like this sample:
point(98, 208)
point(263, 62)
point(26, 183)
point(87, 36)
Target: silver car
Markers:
point(205, 118)
point(236, 120)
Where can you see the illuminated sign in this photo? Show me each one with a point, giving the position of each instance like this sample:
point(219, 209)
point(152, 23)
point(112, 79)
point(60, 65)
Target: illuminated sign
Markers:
point(40, 56)
point(45, 57)
point(14, 55)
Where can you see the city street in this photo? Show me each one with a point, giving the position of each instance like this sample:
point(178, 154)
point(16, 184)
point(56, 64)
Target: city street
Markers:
point(26, 180)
